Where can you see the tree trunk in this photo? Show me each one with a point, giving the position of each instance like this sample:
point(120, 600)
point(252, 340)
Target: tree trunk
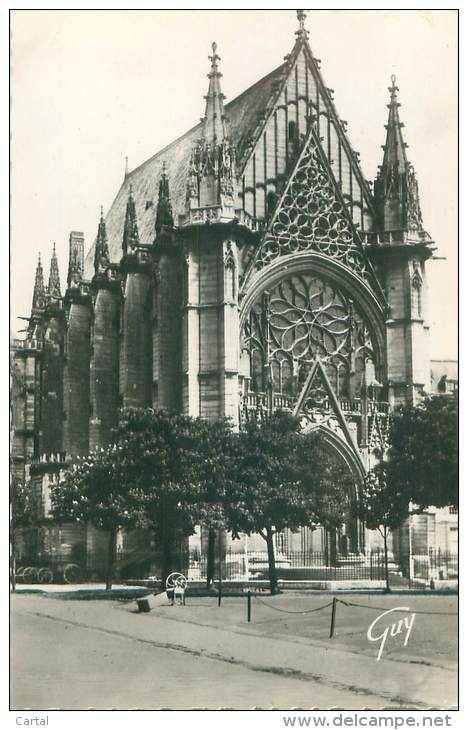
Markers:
point(333, 552)
point(166, 561)
point(271, 561)
point(111, 558)
point(210, 558)
point(387, 579)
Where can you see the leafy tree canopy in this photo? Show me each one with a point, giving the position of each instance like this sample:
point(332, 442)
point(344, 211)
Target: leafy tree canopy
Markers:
point(277, 476)
point(95, 490)
point(380, 505)
point(423, 459)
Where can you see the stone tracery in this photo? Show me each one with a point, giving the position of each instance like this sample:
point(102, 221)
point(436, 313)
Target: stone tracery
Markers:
point(302, 317)
point(312, 216)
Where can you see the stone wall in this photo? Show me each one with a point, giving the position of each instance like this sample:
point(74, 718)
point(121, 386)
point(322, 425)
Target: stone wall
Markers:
point(76, 379)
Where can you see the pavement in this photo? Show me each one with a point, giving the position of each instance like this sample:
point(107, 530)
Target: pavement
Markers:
point(68, 587)
point(282, 659)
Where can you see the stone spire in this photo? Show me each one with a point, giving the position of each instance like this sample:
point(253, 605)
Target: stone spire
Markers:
point(214, 121)
point(212, 174)
point(53, 289)
point(131, 236)
point(39, 289)
point(396, 189)
point(75, 259)
point(164, 218)
point(101, 253)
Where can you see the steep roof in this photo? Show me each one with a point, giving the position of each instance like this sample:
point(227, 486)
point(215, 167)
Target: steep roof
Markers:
point(243, 113)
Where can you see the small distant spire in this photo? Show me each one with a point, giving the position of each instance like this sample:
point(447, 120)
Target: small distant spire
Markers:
point(53, 289)
point(131, 236)
point(164, 217)
point(38, 301)
point(126, 167)
point(101, 253)
point(302, 32)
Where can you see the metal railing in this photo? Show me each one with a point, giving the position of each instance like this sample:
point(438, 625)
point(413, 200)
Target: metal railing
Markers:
point(298, 565)
point(291, 565)
point(255, 400)
point(436, 565)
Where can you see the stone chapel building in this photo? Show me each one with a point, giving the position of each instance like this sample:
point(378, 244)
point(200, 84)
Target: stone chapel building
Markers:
point(247, 266)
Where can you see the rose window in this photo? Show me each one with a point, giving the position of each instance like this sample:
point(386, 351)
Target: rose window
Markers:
point(298, 319)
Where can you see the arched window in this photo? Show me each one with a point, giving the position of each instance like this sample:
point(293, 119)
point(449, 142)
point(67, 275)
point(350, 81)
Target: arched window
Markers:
point(271, 202)
point(230, 274)
point(416, 296)
point(292, 133)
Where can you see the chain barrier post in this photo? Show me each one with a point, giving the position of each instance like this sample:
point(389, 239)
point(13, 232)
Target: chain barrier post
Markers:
point(249, 606)
point(333, 616)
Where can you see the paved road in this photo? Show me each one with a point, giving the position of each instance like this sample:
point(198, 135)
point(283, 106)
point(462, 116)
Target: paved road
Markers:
point(59, 664)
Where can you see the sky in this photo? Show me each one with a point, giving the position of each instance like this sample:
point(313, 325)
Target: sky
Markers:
point(89, 88)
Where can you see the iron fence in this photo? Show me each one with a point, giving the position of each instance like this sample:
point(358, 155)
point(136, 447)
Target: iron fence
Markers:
point(436, 565)
point(291, 565)
point(296, 565)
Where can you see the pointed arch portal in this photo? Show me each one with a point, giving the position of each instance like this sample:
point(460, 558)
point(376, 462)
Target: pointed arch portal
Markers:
point(312, 340)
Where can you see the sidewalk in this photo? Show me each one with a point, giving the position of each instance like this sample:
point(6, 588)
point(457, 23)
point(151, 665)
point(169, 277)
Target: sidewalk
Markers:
point(275, 645)
point(69, 587)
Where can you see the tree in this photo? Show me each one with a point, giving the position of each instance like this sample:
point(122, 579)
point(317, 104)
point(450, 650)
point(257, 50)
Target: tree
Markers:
point(266, 494)
point(382, 506)
point(162, 473)
point(423, 458)
point(95, 490)
point(212, 461)
point(22, 514)
point(155, 447)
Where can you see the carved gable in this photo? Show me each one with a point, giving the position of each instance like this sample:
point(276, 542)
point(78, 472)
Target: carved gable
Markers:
point(298, 94)
point(312, 216)
point(319, 407)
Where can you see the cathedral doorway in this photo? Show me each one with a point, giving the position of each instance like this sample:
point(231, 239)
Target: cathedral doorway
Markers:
point(338, 534)
point(308, 347)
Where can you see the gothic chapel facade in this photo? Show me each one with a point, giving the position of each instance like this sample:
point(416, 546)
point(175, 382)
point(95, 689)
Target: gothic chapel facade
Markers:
point(246, 267)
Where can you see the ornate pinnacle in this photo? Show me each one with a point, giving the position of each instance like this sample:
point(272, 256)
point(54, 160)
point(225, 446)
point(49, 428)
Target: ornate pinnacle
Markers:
point(214, 58)
point(214, 123)
point(75, 259)
point(39, 290)
point(395, 188)
point(101, 253)
point(53, 289)
point(131, 236)
point(393, 88)
point(302, 32)
point(164, 218)
point(212, 164)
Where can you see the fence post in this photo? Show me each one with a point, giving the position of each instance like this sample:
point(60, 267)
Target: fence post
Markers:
point(249, 606)
point(333, 616)
point(220, 591)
